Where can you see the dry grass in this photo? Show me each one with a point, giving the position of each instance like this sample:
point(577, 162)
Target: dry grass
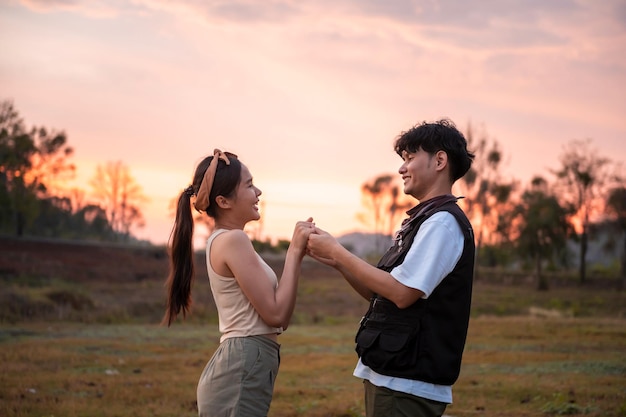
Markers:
point(514, 366)
point(78, 338)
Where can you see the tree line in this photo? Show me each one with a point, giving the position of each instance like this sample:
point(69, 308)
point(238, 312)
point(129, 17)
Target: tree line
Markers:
point(526, 224)
point(514, 223)
point(35, 166)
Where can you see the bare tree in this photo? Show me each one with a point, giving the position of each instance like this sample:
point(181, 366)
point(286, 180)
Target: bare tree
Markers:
point(399, 204)
point(373, 194)
point(584, 179)
point(385, 203)
point(488, 195)
point(120, 196)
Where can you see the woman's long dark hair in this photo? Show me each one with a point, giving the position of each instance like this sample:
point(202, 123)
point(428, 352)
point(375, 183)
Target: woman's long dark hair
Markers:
point(181, 254)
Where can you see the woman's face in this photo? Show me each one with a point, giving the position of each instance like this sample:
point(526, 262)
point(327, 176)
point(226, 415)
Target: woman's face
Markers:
point(246, 198)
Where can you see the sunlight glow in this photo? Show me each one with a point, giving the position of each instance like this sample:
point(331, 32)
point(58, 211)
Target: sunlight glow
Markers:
point(309, 94)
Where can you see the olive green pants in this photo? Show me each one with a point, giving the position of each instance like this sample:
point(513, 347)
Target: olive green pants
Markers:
point(384, 402)
point(239, 379)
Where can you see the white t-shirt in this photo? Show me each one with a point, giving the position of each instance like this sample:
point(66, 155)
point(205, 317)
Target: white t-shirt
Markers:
point(435, 251)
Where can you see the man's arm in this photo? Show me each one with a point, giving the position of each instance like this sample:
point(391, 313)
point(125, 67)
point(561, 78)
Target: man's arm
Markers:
point(358, 286)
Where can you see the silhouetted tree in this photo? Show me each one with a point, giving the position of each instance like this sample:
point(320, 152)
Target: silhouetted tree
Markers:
point(56, 219)
point(96, 218)
point(30, 162)
point(584, 177)
point(373, 193)
point(616, 209)
point(503, 204)
point(488, 195)
point(399, 204)
point(542, 227)
point(120, 196)
point(386, 205)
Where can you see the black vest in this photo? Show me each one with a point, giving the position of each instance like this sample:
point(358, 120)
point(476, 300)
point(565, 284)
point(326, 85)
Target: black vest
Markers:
point(424, 341)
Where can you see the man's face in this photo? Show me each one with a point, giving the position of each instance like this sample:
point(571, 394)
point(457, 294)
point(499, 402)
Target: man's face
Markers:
point(418, 173)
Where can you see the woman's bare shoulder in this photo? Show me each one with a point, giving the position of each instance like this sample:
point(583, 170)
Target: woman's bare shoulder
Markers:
point(233, 238)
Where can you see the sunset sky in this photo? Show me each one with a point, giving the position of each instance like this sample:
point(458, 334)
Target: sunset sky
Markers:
point(310, 94)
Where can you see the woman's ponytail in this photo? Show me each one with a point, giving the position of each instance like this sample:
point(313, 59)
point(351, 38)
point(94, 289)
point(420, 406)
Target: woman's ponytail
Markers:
point(181, 262)
point(180, 278)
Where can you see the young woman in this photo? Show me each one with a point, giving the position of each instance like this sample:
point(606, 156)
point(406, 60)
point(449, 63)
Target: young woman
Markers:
point(253, 308)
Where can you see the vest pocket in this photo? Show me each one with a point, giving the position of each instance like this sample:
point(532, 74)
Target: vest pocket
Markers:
point(388, 348)
point(367, 337)
point(391, 342)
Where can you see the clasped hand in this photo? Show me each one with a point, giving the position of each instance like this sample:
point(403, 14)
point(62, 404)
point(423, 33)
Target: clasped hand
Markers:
point(320, 246)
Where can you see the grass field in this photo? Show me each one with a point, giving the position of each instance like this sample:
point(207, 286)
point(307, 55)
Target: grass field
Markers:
point(513, 366)
point(82, 339)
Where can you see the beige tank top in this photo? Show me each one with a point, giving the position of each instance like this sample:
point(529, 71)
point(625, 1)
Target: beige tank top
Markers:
point(237, 317)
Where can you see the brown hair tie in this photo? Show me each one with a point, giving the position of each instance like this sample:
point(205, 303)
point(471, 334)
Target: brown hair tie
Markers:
point(202, 202)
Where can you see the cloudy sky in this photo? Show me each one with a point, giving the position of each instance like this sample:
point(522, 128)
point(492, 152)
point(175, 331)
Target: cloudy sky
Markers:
point(310, 94)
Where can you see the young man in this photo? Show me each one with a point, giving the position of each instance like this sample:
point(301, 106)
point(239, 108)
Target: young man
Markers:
point(411, 340)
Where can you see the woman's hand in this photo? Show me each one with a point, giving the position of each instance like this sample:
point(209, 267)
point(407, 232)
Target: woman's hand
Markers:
point(301, 233)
